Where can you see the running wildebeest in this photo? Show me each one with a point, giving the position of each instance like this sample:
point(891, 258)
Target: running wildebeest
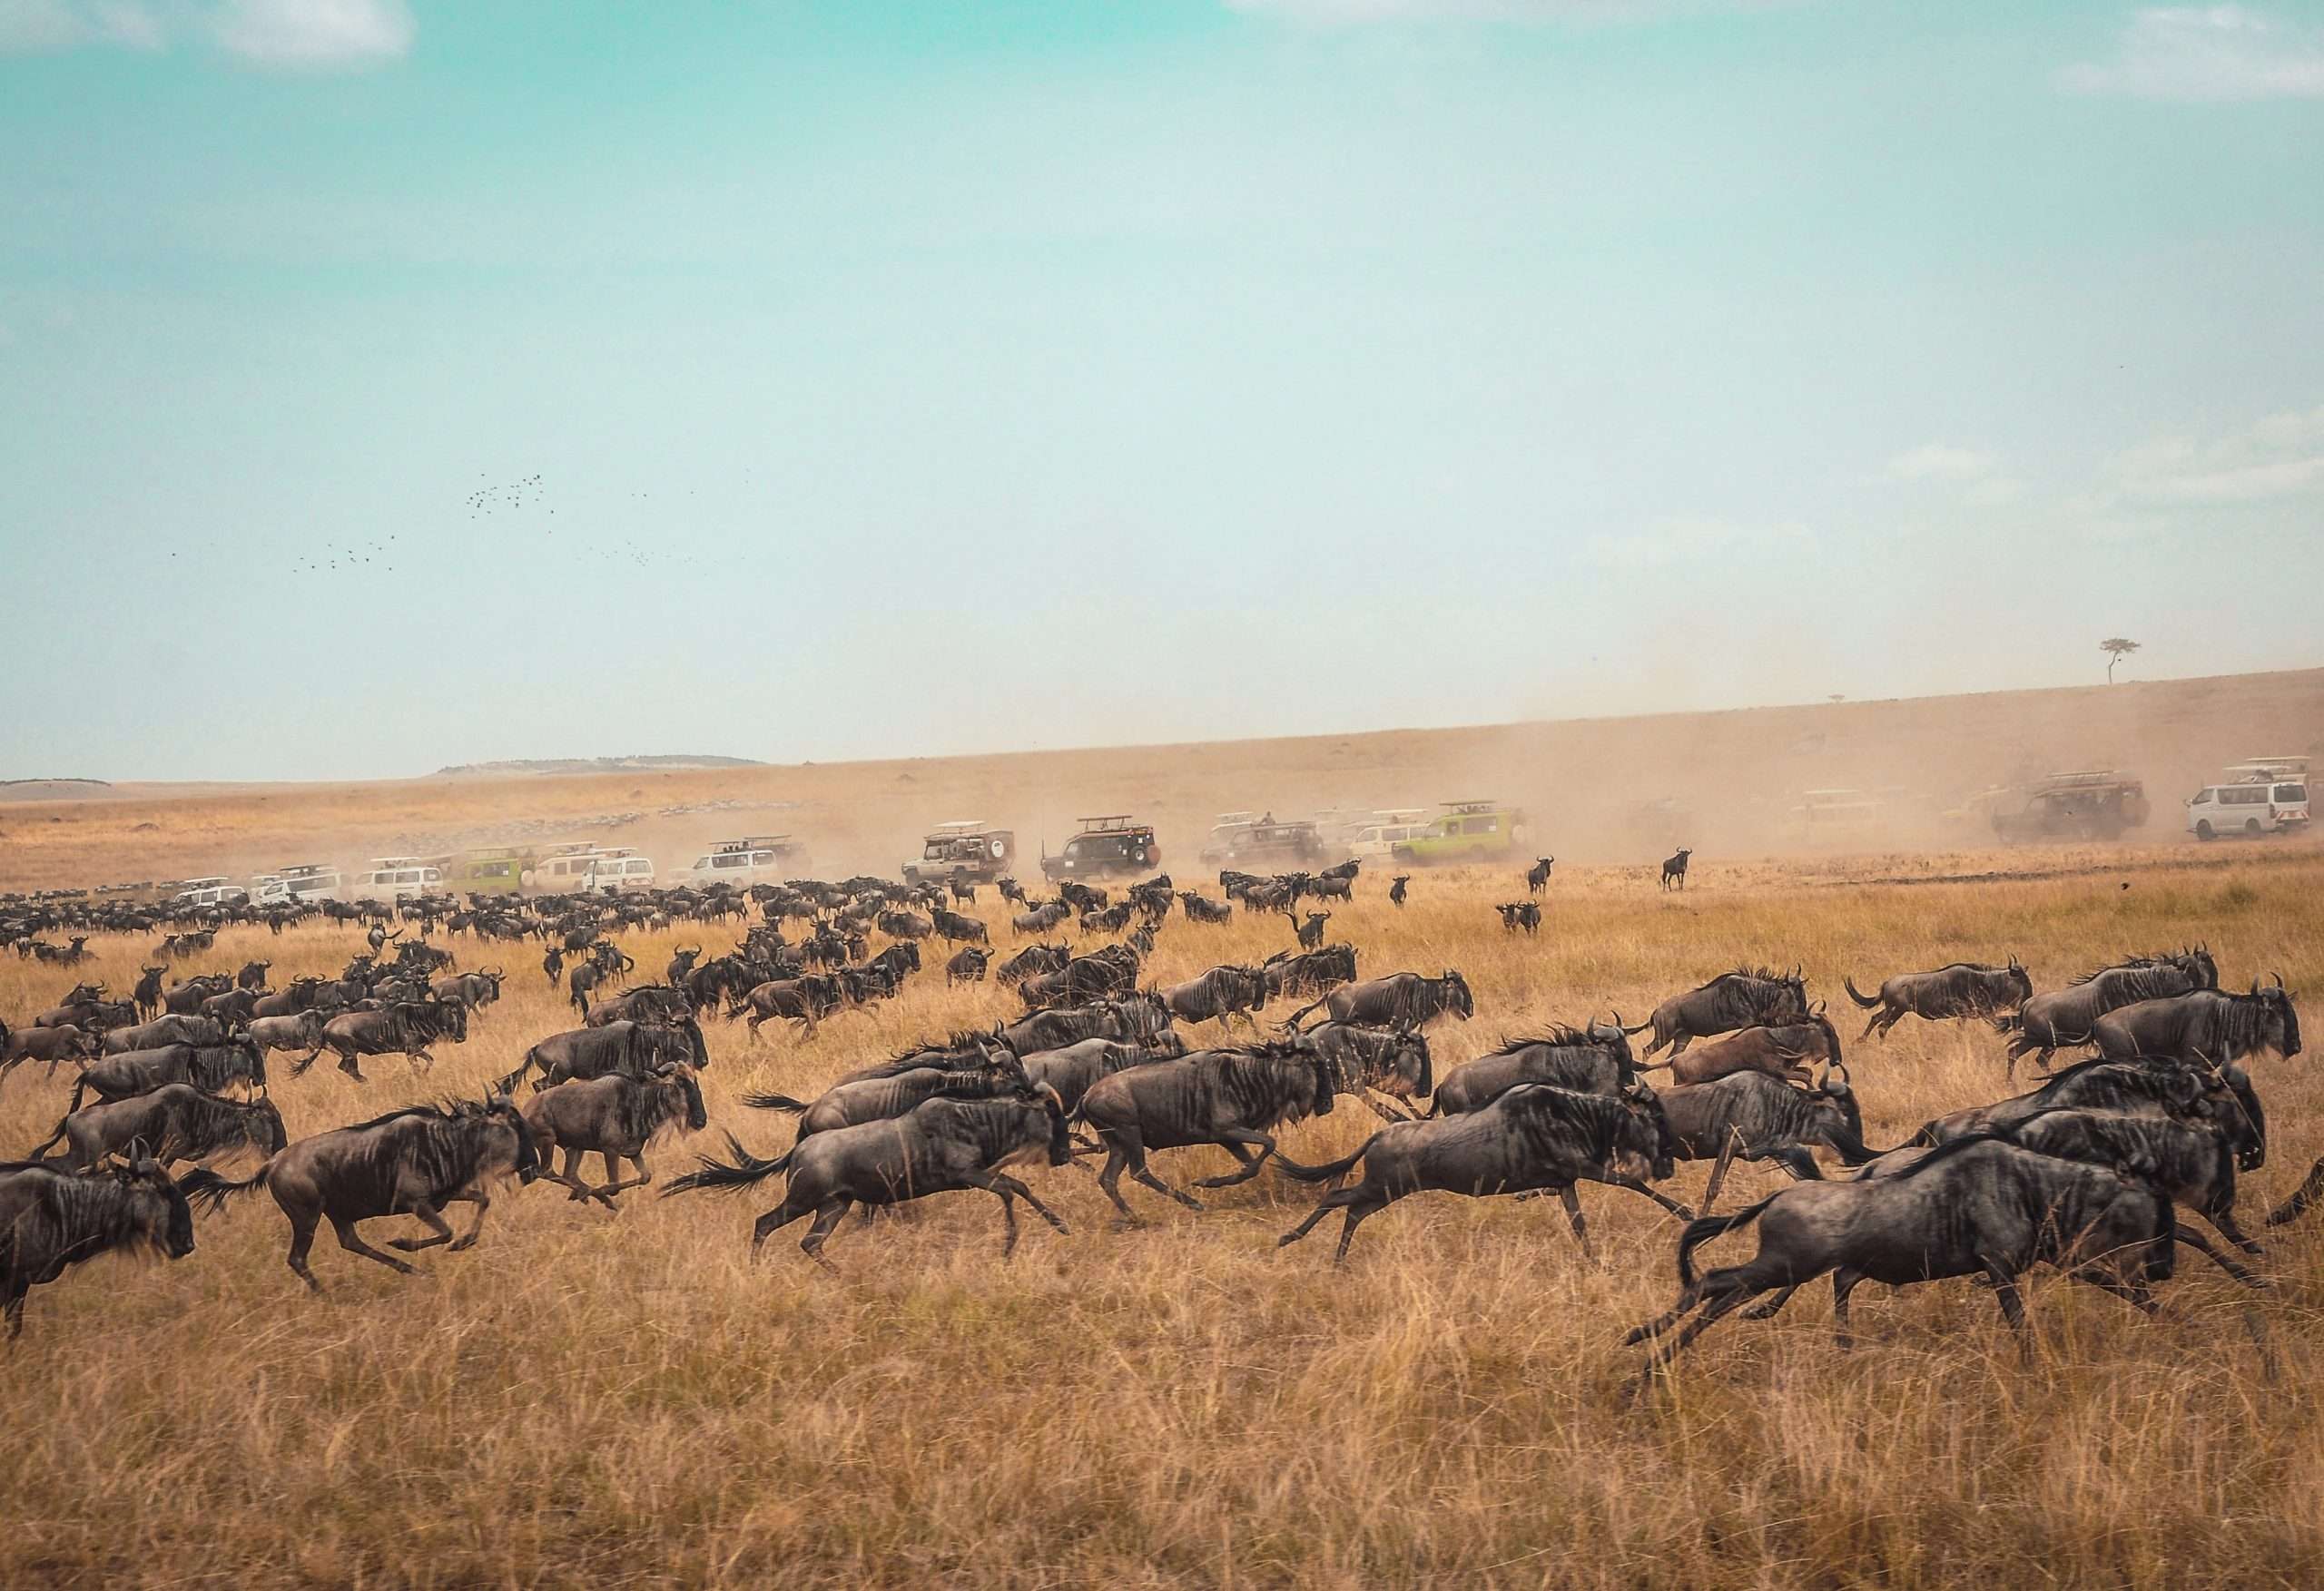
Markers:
point(805, 1000)
point(1748, 997)
point(1593, 1060)
point(1032, 960)
point(1537, 877)
point(473, 989)
point(413, 1161)
point(1138, 1017)
point(943, 1145)
point(304, 1031)
point(1531, 1138)
point(635, 1048)
point(1075, 1069)
point(1402, 999)
point(2150, 1085)
point(1394, 1061)
point(966, 966)
point(406, 1029)
point(1311, 973)
point(891, 1093)
point(52, 1220)
point(1674, 868)
point(1233, 1098)
point(1785, 1052)
point(208, 1067)
point(1223, 993)
point(614, 1116)
point(2064, 1018)
point(1979, 1206)
point(1397, 886)
point(52, 1045)
point(2208, 1026)
point(175, 1121)
point(1751, 1116)
point(1964, 989)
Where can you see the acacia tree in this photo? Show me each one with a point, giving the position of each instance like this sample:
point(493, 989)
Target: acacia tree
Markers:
point(2116, 649)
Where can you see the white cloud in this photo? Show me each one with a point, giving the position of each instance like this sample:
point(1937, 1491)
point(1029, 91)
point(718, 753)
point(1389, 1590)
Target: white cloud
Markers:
point(2207, 53)
point(1935, 461)
point(282, 34)
point(2279, 457)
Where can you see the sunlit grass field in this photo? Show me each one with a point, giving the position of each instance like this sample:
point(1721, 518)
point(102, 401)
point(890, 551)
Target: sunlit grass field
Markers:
point(609, 1399)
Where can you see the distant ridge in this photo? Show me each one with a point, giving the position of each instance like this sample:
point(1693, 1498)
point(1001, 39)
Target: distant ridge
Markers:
point(558, 765)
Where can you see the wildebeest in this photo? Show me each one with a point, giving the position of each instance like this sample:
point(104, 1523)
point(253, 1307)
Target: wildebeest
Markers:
point(1394, 1061)
point(2192, 1162)
point(1073, 1070)
point(1520, 914)
point(406, 1029)
point(1138, 1017)
point(1787, 1051)
point(472, 989)
point(1200, 911)
point(253, 975)
point(52, 1220)
point(1593, 1060)
point(647, 1002)
point(175, 1121)
point(891, 1092)
point(966, 966)
point(1100, 974)
point(413, 1161)
point(1980, 1206)
point(614, 1116)
point(2206, 1025)
point(1537, 877)
point(301, 1032)
point(52, 1044)
point(1531, 1138)
point(208, 1067)
point(953, 928)
point(1309, 933)
point(805, 1000)
point(1223, 993)
point(2065, 1018)
point(1310, 973)
point(1674, 868)
point(682, 962)
point(1402, 999)
point(1039, 919)
point(1396, 888)
point(1965, 989)
point(637, 1049)
point(1233, 1098)
point(2148, 1085)
point(905, 925)
point(1752, 1117)
point(943, 1145)
point(1031, 960)
point(1748, 997)
point(148, 992)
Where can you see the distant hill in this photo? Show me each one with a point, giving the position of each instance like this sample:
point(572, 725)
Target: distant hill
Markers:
point(558, 765)
point(49, 790)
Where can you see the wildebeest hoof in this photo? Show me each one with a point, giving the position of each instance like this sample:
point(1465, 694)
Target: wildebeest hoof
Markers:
point(461, 1242)
point(1127, 1223)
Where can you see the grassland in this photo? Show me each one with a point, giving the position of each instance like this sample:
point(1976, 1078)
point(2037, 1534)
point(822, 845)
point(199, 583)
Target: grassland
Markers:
point(625, 1399)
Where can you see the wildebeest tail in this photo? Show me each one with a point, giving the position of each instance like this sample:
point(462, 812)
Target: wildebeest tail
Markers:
point(1867, 1001)
point(720, 1176)
point(40, 1150)
point(205, 1189)
point(1329, 1169)
point(508, 1083)
point(1642, 1027)
point(1704, 1228)
point(1291, 1023)
point(781, 1101)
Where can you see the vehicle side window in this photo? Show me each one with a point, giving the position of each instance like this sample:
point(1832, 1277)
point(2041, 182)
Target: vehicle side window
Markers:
point(2291, 792)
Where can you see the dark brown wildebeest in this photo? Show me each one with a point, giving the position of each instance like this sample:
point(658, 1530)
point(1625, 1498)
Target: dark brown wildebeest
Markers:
point(301, 1032)
point(165, 1030)
point(253, 975)
point(1532, 1138)
point(52, 1220)
point(1751, 1116)
point(889, 1094)
point(409, 1162)
point(208, 1067)
point(966, 966)
point(637, 1049)
point(148, 992)
point(406, 1029)
point(941, 1147)
point(175, 1121)
point(1394, 1061)
point(1199, 910)
point(904, 924)
point(2066, 1018)
point(1396, 888)
point(1233, 1098)
point(1593, 1060)
point(1310, 933)
point(805, 1000)
point(954, 928)
point(682, 962)
point(1075, 1069)
point(1674, 869)
point(1785, 1052)
point(1223, 993)
point(1136, 1018)
point(1537, 877)
point(1041, 919)
point(92, 1015)
point(1314, 972)
point(233, 1009)
point(473, 989)
point(2148, 1086)
point(1964, 989)
point(1520, 914)
point(52, 1044)
point(1978, 1206)
point(1748, 997)
point(2207, 1026)
point(1402, 999)
point(616, 1117)
point(2192, 1162)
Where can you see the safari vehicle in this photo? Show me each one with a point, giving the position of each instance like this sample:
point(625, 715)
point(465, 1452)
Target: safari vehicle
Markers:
point(1240, 840)
point(489, 869)
point(1107, 848)
point(299, 881)
point(755, 859)
point(967, 851)
point(1835, 817)
point(620, 868)
point(2268, 795)
point(562, 867)
point(196, 893)
point(2098, 804)
point(398, 877)
point(1376, 838)
point(1465, 832)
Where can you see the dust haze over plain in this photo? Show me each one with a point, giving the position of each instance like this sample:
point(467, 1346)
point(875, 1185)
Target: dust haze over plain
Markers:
point(1040, 380)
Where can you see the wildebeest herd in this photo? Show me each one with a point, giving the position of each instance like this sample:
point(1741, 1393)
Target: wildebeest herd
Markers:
point(1104, 1070)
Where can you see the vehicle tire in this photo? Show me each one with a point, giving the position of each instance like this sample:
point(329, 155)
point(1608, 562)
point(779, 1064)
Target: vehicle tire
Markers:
point(2203, 829)
point(2251, 827)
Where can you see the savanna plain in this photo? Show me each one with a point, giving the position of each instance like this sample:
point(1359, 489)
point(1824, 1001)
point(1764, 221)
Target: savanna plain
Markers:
point(624, 1399)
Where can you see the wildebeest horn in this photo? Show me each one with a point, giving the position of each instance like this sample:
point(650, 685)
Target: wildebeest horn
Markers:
point(2278, 977)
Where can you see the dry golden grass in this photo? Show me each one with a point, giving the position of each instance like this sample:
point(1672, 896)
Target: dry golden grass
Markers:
point(601, 1400)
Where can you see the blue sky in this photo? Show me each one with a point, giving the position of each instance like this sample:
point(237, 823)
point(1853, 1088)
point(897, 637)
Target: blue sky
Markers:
point(802, 381)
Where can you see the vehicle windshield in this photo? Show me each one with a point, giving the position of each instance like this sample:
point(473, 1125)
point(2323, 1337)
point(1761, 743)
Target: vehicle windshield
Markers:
point(2291, 792)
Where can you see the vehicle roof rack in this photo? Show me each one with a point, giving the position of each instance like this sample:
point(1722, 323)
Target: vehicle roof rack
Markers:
point(1471, 806)
point(1094, 825)
point(750, 842)
point(961, 826)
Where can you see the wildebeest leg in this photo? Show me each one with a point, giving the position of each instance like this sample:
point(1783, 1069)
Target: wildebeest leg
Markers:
point(1726, 1290)
point(1388, 1112)
point(1718, 1173)
point(1005, 1186)
point(1860, 1037)
point(571, 1175)
point(347, 1064)
point(1572, 1203)
point(756, 1017)
point(18, 1286)
point(827, 1215)
point(433, 1220)
point(2203, 1245)
point(1669, 1203)
point(1767, 1311)
point(774, 1220)
point(1110, 1180)
point(2223, 1220)
point(1233, 1140)
point(1139, 1172)
point(642, 1177)
point(2293, 1208)
point(483, 1202)
point(354, 1244)
point(1844, 1282)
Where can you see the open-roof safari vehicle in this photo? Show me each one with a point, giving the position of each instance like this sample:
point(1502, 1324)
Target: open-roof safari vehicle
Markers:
point(2098, 804)
point(1239, 839)
point(1465, 832)
point(754, 859)
point(964, 852)
point(1107, 848)
point(2268, 795)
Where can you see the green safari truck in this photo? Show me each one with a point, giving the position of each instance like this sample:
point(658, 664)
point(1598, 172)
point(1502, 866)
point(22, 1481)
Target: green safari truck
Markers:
point(1464, 831)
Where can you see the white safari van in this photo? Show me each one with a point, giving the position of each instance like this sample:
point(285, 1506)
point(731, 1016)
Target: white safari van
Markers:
point(2268, 795)
point(398, 877)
